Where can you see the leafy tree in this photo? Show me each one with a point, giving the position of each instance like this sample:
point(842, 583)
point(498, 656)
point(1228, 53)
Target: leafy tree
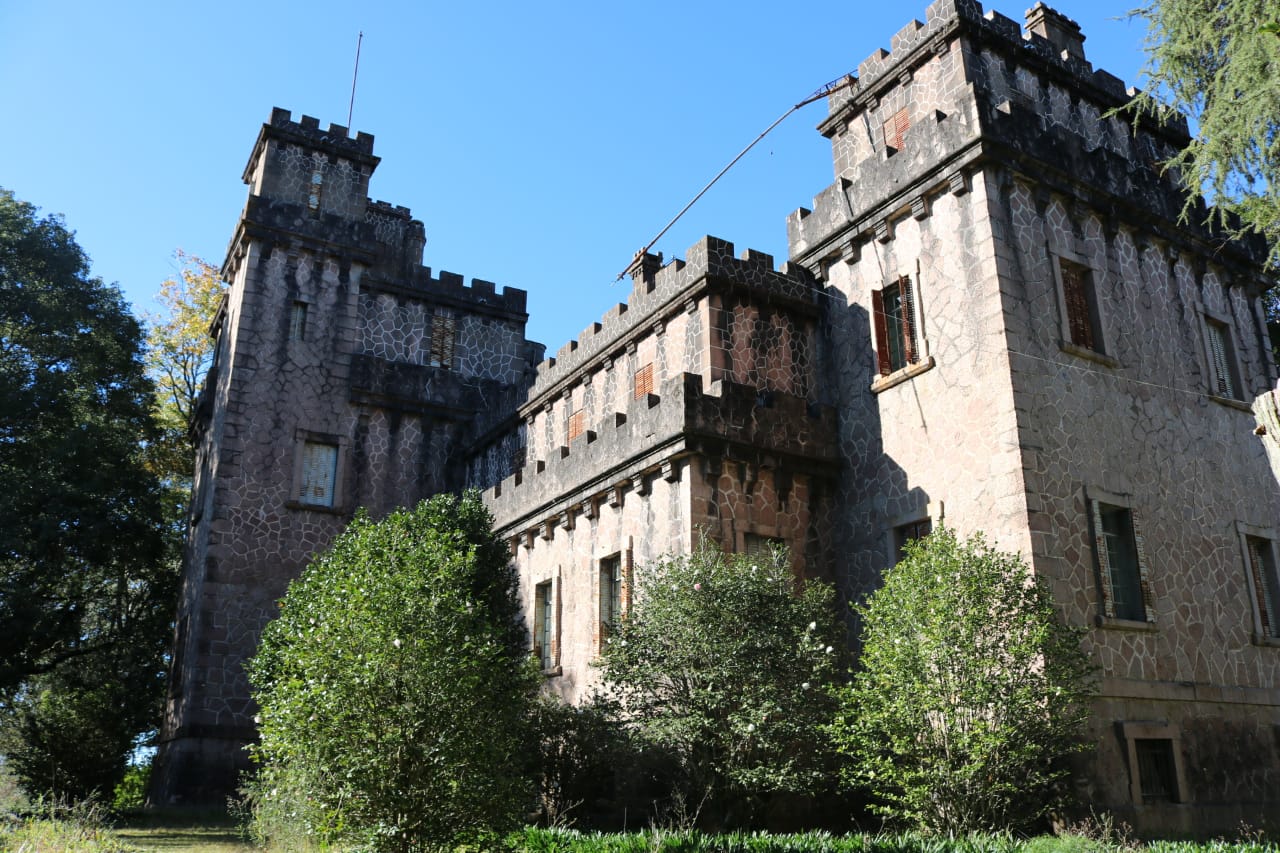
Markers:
point(395, 687)
point(179, 355)
point(725, 662)
point(1219, 63)
point(81, 549)
point(970, 695)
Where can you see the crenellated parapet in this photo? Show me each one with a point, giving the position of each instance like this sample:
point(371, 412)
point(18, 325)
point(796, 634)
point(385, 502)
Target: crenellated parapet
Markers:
point(335, 139)
point(654, 436)
point(663, 292)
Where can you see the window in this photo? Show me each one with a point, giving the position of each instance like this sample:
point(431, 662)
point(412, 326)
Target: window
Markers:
point(644, 381)
point(442, 333)
point(761, 547)
point(1079, 305)
point(1154, 752)
point(894, 316)
point(1223, 380)
point(610, 594)
point(313, 199)
point(298, 322)
point(1266, 584)
point(895, 128)
point(910, 532)
point(1157, 773)
point(543, 622)
point(1121, 562)
point(577, 424)
point(319, 473)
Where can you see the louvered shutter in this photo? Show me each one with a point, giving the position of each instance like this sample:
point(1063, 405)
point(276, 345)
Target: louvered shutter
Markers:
point(1075, 292)
point(644, 381)
point(1223, 382)
point(908, 319)
point(896, 128)
point(442, 333)
point(319, 470)
point(577, 424)
point(882, 335)
point(1264, 581)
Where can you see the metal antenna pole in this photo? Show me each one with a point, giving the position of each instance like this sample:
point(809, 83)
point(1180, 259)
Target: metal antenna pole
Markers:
point(847, 80)
point(354, 74)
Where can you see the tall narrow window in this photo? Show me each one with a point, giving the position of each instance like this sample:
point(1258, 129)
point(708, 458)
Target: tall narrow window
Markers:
point(313, 198)
point(1080, 303)
point(1222, 368)
point(319, 473)
point(1120, 561)
point(298, 321)
point(895, 128)
point(610, 594)
point(577, 424)
point(442, 333)
point(644, 381)
point(1266, 583)
point(543, 620)
point(894, 317)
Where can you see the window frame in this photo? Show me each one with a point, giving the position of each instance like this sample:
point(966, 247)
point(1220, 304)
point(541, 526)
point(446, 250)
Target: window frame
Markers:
point(302, 439)
point(1097, 499)
point(546, 627)
point(1131, 733)
point(298, 312)
point(642, 381)
point(1264, 603)
point(1221, 324)
point(610, 577)
point(1100, 349)
point(441, 347)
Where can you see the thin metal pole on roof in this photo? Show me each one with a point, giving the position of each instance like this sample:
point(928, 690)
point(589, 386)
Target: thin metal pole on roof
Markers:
point(846, 80)
point(354, 74)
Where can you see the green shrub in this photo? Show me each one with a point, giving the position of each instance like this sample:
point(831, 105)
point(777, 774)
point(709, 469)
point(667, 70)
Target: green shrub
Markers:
point(395, 688)
point(724, 662)
point(971, 692)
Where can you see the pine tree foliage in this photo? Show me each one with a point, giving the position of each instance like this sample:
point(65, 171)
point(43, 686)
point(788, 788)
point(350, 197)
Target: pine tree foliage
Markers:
point(1218, 62)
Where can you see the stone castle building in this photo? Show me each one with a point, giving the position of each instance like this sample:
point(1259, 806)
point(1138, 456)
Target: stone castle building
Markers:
point(991, 318)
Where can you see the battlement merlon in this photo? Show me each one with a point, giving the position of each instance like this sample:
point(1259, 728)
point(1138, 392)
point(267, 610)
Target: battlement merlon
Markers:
point(336, 140)
point(1051, 40)
point(659, 293)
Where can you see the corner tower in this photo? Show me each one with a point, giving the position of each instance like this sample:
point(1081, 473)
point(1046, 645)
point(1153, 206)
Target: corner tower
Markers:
point(345, 375)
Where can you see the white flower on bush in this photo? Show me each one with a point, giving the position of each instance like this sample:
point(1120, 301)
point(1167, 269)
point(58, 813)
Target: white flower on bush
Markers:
point(396, 642)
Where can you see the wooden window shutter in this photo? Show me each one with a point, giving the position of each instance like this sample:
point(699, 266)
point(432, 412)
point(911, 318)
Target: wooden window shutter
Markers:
point(881, 331)
point(644, 381)
point(895, 128)
point(1223, 383)
point(1075, 292)
point(577, 424)
point(319, 471)
point(442, 333)
point(908, 319)
point(1264, 583)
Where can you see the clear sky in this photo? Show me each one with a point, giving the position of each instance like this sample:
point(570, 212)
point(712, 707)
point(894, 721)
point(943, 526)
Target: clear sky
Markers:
point(541, 144)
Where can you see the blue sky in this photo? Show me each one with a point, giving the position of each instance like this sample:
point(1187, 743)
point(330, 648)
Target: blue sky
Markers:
point(541, 144)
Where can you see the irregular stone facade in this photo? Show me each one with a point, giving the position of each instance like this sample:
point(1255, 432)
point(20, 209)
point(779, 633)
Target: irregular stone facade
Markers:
point(991, 319)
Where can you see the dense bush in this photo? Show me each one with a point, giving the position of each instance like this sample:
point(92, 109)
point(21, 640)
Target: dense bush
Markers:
point(723, 662)
point(970, 695)
point(395, 689)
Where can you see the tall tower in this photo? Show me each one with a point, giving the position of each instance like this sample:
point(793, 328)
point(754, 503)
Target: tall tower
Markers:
point(344, 376)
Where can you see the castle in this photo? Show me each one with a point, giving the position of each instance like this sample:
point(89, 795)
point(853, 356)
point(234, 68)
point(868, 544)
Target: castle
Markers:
point(992, 318)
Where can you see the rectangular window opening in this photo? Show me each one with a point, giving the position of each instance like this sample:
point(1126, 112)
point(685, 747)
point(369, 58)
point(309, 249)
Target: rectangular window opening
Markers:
point(319, 473)
point(1262, 564)
point(1121, 562)
point(644, 381)
point(761, 547)
point(577, 424)
point(442, 334)
point(1081, 305)
point(896, 128)
point(298, 322)
point(543, 619)
point(1157, 772)
point(912, 531)
point(1223, 380)
point(610, 595)
point(894, 317)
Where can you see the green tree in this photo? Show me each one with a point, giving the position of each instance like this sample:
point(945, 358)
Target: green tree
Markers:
point(179, 355)
point(970, 695)
point(395, 687)
point(85, 590)
point(725, 662)
point(1218, 62)
point(81, 548)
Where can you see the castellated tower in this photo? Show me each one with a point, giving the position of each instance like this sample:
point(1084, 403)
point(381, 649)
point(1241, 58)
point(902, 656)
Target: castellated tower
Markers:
point(345, 376)
point(1021, 338)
